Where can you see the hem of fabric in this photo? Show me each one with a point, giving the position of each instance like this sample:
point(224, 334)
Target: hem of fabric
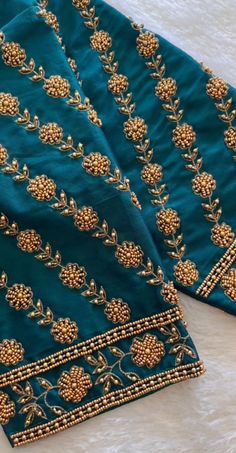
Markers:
point(109, 401)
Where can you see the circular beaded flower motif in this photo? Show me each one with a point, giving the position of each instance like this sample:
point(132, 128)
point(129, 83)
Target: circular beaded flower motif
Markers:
point(73, 275)
point(147, 44)
point(86, 218)
point(57, 87)
point(13, 54)
point(184, 136)
point(168, 221)
point(222, 235)
point(170, 293)
point(129, 254)
point(151, 174)
point(11, 352)
point(166, 88)
point(7, 408)
point(118, 83)
point(217, 88)
point(3, 155)
point(203, 184)
point(101, 41)
point(147, 351)
point(29, 241)
point(230, 138)
point(117, 311)
point(96, 164)
point(42, 188)
point(9, 105)
point(74, 384)
point(186, 273)
point(19, 296)
point(135, 129)
point(64, 331)
point(228, 283)
point(51, 134)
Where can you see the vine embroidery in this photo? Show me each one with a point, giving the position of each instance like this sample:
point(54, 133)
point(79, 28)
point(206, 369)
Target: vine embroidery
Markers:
point(184, 137)
point(135, 129)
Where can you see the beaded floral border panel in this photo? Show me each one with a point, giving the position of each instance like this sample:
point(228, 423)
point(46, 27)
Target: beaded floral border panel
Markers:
point(72, 275)
point(95, 164)
point(110, 368)
point(217, 89)
point(183, 136)
point(86, 219)
point(88, 347)
point(136, 129)
point(97, 406)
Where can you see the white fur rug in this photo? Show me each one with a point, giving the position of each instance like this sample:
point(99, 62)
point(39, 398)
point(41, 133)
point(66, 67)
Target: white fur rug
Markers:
point(198, 416)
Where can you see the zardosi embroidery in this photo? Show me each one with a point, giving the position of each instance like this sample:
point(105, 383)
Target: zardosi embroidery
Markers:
point(20, 297)
point(95, 164)
point(11, 352)
point(86, 219)
point(72, 275)
point(135, 129)
point(184, 137)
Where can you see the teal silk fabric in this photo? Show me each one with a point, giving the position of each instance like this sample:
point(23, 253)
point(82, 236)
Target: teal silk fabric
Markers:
point(124, 334)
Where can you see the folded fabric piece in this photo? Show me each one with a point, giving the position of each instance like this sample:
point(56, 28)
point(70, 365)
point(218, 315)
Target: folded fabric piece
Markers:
point(108, 201)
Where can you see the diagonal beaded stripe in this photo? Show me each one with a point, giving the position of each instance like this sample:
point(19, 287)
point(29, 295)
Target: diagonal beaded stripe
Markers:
point(87, 347)
point(135, 129)
point(112, 399)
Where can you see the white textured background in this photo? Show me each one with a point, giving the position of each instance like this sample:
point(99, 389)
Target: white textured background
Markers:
point(198, 416)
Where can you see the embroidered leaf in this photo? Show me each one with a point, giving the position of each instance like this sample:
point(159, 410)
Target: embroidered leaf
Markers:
point(97, 301)
point(3, 280)
point(57, 410)
point(17, 388)
point(44, 383)
point(24, 399)
point(154, 281)
point(132, 376)
point(224, 118)
point(102, 359)
point(116, 351)
point(91, 360)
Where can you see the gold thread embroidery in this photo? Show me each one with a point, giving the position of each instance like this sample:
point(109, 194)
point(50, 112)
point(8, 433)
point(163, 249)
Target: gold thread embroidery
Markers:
point(184, 137)
point(86, 219)
point(228, 283)
point(52, 134)
point(113, 399)
point(86, 348)
point(20, 297)
point(217, 89)
point(135, 129)
point(7, 408)
point(73, 385)
point(72, 275)
point(11, 352)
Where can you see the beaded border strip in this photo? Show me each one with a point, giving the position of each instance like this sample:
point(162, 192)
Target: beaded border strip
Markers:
point(95, 164)
point(112, 399)
point(218, 271)
point(87, 347)
point(183, 136)
point(217, 89)
point(86, 219)
point(135, 129)
point(72, 275)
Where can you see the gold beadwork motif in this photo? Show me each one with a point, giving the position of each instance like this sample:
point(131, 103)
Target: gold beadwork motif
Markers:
point(20, 297)
point(13, 54)
point(11, 352)
point(72, 275)
point(185, 272)
point(7, 408)
point(218, 271)
point(52, 134)
point(74, 384)
point(217, 89)
point(118, 311)
point(135, 128)
point(184, 137)
point(87, 347)
point(3, 155)
point(147, 351)
point(86, 219)
point(57, 87)
point(42, 188)
point(168, 221)
point(228, 283)
point(112, 399)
